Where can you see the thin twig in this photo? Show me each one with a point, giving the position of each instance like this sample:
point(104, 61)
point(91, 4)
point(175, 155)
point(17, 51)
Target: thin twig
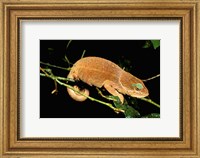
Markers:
point(55, 83)
point(68, 44)
point(55, 91)
point(43, 70)
point(83, 54)
point(150, 101)
point(58, 67)
point(151, 78)
point(67, 60)
point(59, 78)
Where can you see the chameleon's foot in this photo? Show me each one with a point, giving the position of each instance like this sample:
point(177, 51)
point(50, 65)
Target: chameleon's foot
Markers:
point(76, 95)
point(111, 88)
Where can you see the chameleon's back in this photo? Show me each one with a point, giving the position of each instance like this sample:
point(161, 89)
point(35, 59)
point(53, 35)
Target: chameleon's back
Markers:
point(95, 70)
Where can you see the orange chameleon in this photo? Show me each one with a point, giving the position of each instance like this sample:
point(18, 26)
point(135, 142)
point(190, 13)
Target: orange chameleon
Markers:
point(99, 72)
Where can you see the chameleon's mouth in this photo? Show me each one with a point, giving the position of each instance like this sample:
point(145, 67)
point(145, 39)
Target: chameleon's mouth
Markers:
point(140, 94)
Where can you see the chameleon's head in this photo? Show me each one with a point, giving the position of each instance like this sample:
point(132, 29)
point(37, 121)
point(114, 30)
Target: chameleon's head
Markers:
point(135, 87)
point(139, 90)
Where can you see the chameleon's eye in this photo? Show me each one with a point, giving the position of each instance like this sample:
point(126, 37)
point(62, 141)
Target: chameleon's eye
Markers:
point(137, 89)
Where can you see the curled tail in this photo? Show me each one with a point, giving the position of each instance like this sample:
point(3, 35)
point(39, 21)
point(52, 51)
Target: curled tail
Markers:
point(74, 95)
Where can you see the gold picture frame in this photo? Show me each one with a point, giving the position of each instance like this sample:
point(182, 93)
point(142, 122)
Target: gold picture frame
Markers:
point(11, 13)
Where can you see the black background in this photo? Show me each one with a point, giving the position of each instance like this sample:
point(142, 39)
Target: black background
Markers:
point(142, 62)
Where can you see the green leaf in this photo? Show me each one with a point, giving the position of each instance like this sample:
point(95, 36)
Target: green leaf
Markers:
point(152, 115)
point(156, 43)
point(130, 112)
point(147, 44)
point(150, 43)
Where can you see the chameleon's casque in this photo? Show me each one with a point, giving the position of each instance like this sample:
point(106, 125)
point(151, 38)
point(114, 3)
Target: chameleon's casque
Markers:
point(104, 73)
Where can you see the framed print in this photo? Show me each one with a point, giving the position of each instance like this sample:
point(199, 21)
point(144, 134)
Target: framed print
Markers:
point(95, 50)
point(99, 79)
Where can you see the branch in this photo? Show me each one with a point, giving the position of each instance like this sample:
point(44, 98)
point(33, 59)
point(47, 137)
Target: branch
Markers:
point(59, 78)
point(68, 79)
point(83, 54)
point(56, 78)
point(58, 67)
point(144, 99)
point(66, 58)
point(151, 78)
point(150, 101)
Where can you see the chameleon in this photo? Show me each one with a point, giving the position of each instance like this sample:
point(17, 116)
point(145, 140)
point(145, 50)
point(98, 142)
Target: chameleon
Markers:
point(100, 72)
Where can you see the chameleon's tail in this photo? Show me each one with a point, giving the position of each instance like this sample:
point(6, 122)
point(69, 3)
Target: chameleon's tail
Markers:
point(74, 95)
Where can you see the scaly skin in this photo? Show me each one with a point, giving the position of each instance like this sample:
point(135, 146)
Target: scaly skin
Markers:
point(99, 72)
